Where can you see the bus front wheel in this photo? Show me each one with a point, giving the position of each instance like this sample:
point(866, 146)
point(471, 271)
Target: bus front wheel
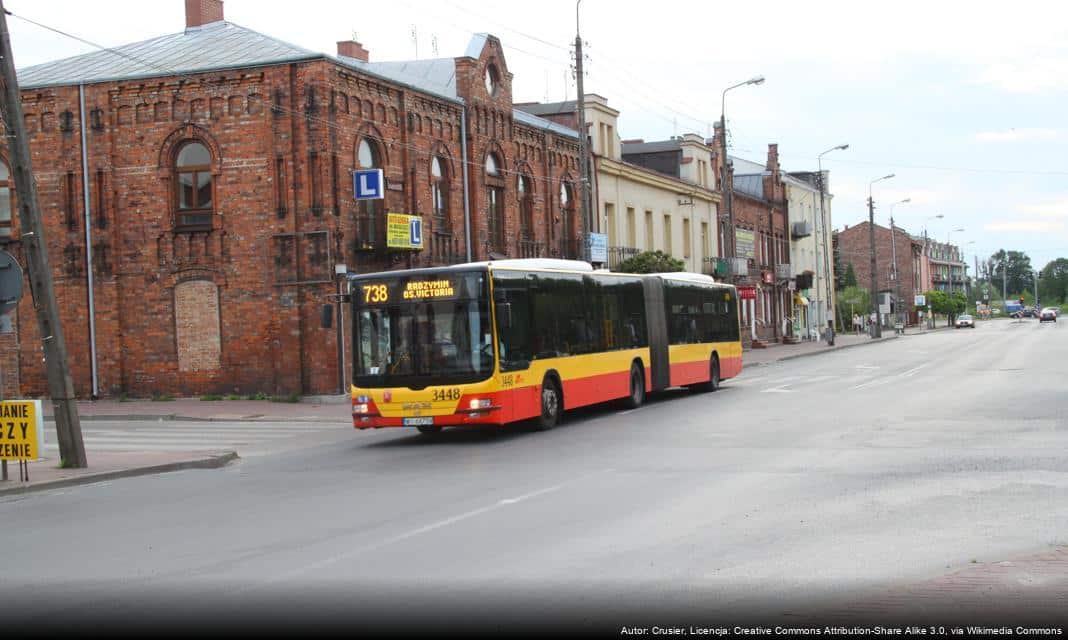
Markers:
point(551, 405)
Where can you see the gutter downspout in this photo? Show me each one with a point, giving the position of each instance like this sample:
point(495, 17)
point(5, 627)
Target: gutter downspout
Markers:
point(88, 243)
point(467, 185)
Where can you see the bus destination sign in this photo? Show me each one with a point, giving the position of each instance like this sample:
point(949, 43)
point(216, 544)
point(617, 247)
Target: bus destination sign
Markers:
point(413, 290)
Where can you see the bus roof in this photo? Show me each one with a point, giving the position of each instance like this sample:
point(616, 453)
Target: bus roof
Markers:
point(694, 278)
point(541, 264)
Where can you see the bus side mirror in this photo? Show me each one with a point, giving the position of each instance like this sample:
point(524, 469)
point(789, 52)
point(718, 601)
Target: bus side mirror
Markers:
point(326, 316)
point(504, 315)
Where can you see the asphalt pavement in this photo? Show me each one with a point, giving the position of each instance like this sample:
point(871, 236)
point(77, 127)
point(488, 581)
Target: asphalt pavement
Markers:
point(907, 476)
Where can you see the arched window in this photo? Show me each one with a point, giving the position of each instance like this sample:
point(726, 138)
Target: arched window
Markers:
point(526, 208)
point(492, 80)
point(439, 190)
point(5, 200)
point(367, 225)
point(193, 169)
point(495, 204)
point(567, 211)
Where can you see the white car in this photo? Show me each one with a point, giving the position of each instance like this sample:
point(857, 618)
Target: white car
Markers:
point(965, 321)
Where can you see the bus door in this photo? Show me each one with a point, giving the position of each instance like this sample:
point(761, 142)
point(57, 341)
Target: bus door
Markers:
point(658, 333)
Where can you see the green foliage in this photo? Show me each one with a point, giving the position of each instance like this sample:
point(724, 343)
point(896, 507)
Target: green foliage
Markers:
point(210, 397)
point(650, 262)
point(123, 397)
point(852, 299)
point(258, 396)
point(233, 396)
point(1016, 266)
point(850, 277)
point(1053, 282)
point(947, 304)
point(290, 398)
point(65, 464)
point(163, 397)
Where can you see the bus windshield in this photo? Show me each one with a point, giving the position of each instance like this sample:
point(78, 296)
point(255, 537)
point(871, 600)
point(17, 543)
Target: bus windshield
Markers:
point(403, 342)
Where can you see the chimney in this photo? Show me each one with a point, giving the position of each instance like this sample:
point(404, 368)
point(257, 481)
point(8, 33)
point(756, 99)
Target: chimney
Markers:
point(773, 158)
point(353, 49)
point(201, 12)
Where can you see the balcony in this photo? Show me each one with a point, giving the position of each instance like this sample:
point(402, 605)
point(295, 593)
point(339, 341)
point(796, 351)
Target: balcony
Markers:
point(739, 266)
point(616, 255)
point(783, 271)
point(531, 249)
point(716, 267)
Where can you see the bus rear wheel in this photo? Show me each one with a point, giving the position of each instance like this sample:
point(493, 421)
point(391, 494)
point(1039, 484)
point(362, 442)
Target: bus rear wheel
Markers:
point(637, 388)
point(551, 405)
point(713, 377)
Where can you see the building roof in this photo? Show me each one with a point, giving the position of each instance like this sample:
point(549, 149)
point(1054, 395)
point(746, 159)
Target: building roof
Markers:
point(743, 167)
point(750, 185)
point(225, 45)
point(650, 147)
point(547, 108)
point(215, 46)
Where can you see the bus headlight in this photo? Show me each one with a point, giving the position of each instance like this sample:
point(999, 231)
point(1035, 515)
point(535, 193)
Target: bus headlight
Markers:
point(480, 403)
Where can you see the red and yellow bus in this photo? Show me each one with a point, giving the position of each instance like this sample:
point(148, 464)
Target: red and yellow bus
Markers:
point(510, 340)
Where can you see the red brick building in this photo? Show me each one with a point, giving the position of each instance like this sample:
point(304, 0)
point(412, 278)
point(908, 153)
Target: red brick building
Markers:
point(762, 246)
point(854, 247)
point(217, 200)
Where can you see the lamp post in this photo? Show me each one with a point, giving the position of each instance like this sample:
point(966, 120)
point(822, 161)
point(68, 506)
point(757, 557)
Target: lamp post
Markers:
point(586, 226)
point(928, 282)
point(823, 303)
point(893, 254)
point(727, 191)
point(876, 329)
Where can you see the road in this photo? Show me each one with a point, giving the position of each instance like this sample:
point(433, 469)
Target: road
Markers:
point(798, 487)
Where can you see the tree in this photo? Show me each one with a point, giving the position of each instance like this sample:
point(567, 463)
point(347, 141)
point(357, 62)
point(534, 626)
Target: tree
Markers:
point(1017, 270)
point(839, 274)
point(851, 300)
point(1053, 282)
point(948, 304)
point(650, 262)
point(850, 277)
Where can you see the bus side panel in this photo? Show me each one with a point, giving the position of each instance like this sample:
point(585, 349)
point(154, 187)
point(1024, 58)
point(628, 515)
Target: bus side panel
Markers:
point(690, 363)
point(655, 305)
point(730, 359)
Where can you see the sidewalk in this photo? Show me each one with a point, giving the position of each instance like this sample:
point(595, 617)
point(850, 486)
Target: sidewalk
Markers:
point(777, 351)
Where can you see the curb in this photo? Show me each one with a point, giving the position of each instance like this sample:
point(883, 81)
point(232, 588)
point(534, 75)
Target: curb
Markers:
point(816, 353)
point(213, 462)
point(341, 418)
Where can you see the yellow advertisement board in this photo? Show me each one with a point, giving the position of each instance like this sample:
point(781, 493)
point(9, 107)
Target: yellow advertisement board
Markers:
point(404, 231)
point(21, 430)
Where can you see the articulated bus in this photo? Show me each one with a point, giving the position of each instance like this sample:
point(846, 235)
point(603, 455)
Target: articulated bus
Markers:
point(511, 340)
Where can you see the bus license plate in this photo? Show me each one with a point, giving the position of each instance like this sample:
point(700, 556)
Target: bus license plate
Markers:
point(418, 422)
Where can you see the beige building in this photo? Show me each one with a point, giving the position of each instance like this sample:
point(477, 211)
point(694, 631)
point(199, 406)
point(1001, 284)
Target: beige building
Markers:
point(810, 257)
point(647, 196)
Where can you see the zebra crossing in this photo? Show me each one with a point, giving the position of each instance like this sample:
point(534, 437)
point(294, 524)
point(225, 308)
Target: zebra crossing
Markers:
point(178, 435)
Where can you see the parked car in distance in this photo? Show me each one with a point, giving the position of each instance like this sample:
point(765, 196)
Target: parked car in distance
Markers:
point(1049, 314)
point(965, 321)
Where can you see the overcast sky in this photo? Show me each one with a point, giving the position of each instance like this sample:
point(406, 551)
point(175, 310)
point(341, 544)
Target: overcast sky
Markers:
point(964, 101)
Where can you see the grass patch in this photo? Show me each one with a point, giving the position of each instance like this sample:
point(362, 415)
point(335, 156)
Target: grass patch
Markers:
point(210, 397)
point(258, 396)
point(290, 398)
point(163, 397)
point(65, 464)
point(233, 396)
point(124, 398)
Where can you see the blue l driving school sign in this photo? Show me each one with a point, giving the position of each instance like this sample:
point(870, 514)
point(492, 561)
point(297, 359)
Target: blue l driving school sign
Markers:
point(368, 184)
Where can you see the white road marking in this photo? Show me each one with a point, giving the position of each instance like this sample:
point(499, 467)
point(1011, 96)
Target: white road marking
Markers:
point(912, 372)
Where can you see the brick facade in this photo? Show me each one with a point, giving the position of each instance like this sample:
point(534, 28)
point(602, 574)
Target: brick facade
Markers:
point(233, 307)
point(854, 247)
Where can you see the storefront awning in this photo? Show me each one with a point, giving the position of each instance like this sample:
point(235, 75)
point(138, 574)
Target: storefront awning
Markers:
point(800, 301)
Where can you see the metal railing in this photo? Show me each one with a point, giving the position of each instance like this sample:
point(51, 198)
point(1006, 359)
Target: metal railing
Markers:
point(616, 255)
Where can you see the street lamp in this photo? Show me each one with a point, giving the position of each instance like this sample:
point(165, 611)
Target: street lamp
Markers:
point(893, 257)
point(823, 305)
point(928, 282)
point(723, 166)
point(876, 329)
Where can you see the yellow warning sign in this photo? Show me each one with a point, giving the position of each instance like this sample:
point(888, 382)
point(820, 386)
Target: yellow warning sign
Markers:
point(21, 430)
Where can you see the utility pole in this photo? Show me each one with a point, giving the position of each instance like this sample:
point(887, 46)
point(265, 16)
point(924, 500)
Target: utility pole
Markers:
point(1004, 287)
point(876, 328)
point(897, 278)
point(580, 106)
point(35, 249)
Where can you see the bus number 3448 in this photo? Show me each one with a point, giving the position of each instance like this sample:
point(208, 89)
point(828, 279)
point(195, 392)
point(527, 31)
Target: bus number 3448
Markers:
point(446, 394)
